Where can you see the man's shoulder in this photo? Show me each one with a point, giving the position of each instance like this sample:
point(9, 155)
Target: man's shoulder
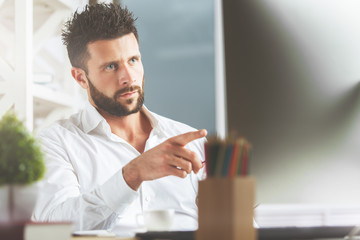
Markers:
point(60, 127)
point(168, 122)
point(171, 126)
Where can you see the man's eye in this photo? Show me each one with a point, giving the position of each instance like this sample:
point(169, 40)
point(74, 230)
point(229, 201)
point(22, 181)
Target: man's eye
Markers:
point(110, 67)
point(133, 60)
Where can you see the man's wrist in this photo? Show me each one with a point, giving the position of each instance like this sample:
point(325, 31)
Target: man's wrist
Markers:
point(131, 176)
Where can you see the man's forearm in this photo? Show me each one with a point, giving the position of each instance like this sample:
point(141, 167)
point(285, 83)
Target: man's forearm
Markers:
point(84, 212)
point(97, 209)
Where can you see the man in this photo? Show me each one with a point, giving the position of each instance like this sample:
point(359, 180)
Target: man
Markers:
point(115, 159)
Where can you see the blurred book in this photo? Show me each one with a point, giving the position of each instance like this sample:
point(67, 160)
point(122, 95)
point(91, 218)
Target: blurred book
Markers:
point(306, 215)
point(102, 235)
point(36, 231)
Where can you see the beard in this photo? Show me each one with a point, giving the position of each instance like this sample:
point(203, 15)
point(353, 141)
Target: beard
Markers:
point(112, 106)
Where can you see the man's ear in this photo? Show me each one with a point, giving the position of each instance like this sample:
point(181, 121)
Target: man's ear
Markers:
point(80, 77)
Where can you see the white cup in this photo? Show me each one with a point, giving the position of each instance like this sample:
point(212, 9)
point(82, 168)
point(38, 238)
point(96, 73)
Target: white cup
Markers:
point(156, 220)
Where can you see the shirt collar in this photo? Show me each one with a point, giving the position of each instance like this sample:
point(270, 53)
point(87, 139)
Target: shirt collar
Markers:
point(151, 116)
point(92, 118)
point(155, 121)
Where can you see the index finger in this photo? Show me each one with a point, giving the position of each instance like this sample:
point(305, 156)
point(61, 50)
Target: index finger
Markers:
point(185, 138)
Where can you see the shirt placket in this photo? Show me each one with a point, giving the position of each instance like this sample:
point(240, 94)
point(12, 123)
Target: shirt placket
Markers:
point(147, 195)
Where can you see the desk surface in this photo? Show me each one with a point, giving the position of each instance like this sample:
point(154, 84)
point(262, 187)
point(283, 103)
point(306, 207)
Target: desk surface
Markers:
point(284, 233)
point(102, 238)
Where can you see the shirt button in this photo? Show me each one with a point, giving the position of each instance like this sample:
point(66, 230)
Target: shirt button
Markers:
point(147, 198)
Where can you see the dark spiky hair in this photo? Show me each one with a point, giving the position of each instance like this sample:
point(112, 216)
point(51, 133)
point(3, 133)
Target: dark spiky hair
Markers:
point(97, 22)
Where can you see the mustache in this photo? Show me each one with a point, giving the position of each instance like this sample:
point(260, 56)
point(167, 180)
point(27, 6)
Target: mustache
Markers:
point(126, 90)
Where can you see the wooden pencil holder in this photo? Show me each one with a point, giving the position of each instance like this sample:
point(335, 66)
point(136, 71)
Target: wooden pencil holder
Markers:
point(226, 209)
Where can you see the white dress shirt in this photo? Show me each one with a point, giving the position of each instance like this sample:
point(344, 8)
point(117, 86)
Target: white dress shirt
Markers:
point(84, 181)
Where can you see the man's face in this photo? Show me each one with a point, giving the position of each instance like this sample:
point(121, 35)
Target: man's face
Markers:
point(116, 75)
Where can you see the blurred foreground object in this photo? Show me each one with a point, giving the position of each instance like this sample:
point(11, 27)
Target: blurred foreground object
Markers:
point(21, 165)
point(227, 196)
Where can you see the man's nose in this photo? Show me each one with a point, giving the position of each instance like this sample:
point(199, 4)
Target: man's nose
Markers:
point(126, 75)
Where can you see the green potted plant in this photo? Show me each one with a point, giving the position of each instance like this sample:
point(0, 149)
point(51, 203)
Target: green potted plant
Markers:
point(21, 165)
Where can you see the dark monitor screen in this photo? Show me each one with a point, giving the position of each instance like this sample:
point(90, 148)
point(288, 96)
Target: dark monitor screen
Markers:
point(292, 86)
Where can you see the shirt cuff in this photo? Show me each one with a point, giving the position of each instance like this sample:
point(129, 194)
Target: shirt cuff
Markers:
point(117, 194)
